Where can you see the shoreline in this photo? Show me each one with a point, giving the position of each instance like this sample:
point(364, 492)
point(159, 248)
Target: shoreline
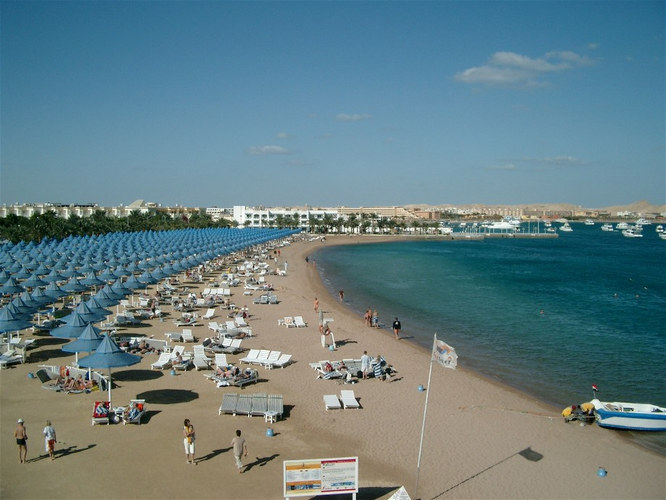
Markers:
point(319, 285)
point(475, 428)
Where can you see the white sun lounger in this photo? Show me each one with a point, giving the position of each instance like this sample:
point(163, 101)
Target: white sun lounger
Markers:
point(200, 360)
point(210, 313)
point(349, 399)
point(221, 360)
point(229, 402)
point(251, 356)
point(331, 402)
point(163, 362)
point(244, 405)
point(299, 322)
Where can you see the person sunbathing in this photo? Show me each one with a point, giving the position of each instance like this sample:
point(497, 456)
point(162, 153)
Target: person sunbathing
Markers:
point(70, 384)
point(245, 375)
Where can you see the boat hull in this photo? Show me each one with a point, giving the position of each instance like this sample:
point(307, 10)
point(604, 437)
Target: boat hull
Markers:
point(630, 416)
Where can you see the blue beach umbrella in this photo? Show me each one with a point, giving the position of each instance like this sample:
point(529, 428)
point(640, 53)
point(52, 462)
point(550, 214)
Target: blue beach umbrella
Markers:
point(73, 327)
point(88, 341)
point(109, 355)
point(53, 290)
point(74, 285)
point(133, 283)
point(91, 279)
point(96, 306)
point(107, 275)
point(10, 286)
point(53, 276)
point(10, 322)
point(34, 281)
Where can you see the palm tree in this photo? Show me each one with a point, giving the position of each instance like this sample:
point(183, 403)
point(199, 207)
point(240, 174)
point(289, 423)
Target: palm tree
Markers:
point(352, 222)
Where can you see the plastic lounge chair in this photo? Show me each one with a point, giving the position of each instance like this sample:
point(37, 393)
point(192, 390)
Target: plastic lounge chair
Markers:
point(100, 413)
point(163, 362)
point(276, 404)
point(299, 322)
point(229, 402)
point(251, 356)
point(349, 399)
point(331, 402)
point(134, 412)
point(244, 405)
point(246, 378)
point(240, 321)
point(187, 335)
point(210, 313)
point(289, 322)
point(282, 361)
point(262, 357)
point(259, 404)
point(221, 360)
point(262, 299)
point(48, 382)
point(273, 356)
point(12, 356)
point(229, 346)
point(201, 361)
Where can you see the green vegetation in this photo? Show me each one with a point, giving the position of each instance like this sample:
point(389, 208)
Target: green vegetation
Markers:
point(48, 225)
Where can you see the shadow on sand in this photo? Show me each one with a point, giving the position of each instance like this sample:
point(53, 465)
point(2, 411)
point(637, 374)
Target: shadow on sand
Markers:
point(137, 375)
point(368, 493)
point(168, 396)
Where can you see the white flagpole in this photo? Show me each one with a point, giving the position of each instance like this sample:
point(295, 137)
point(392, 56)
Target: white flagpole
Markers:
point(425, 412)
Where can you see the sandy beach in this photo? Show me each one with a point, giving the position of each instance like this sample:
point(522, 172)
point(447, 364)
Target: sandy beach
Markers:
point(475, 429)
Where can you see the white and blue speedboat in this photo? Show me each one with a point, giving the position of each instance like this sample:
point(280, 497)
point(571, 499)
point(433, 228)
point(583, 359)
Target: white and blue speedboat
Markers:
point(630, 416)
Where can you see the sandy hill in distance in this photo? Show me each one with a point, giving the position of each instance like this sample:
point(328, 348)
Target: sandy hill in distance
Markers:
point(638, 207)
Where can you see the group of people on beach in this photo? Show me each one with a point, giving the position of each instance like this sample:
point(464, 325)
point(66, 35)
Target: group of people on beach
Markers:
point(371, 319)
point(21, 435)
point(238, 445)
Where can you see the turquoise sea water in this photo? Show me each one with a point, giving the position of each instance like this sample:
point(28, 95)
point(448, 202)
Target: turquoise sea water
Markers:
point(550, 317)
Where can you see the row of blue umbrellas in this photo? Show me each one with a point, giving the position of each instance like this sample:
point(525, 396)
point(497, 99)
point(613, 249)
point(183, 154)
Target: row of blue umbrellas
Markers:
point(141, 258)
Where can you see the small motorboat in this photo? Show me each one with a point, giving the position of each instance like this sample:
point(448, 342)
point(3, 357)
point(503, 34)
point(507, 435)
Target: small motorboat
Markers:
point(630, 416)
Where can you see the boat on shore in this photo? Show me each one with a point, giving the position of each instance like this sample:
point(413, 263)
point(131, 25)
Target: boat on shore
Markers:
point(630, 416)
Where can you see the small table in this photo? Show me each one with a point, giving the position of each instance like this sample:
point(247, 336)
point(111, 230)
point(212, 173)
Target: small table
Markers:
point(270, 416)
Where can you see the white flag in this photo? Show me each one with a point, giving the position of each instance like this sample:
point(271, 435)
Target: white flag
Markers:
point(444, 354)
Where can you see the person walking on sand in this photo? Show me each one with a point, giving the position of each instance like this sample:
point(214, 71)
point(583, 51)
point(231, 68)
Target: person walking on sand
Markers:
point(188, 441)
point(49, 439)
point(21, 435)
point(240, 450)
point(325, 331)
point(396, 328)
point(316, 305)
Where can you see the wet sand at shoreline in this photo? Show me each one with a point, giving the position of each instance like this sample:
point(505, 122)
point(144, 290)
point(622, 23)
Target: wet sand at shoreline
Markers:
point(475, 429)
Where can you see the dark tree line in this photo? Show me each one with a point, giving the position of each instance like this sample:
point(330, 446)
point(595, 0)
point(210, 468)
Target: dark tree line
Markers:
point(16, 228)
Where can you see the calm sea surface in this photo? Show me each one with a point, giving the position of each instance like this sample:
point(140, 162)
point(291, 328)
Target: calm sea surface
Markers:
point(550, 317)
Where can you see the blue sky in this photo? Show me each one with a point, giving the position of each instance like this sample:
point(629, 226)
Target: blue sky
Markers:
point(333, 103)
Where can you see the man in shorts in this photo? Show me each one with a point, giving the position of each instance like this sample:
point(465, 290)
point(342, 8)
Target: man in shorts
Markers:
point(21, 435)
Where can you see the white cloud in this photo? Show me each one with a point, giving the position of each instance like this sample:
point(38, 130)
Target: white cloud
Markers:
point(523, 62)
point(511, 69)
point(556, 160)
point(267, 150)
point(282, 135)
point(344, 117)
point(505, 166)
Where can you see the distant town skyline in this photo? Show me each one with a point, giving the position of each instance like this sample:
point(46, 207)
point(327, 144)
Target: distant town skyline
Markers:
point(333, 103)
